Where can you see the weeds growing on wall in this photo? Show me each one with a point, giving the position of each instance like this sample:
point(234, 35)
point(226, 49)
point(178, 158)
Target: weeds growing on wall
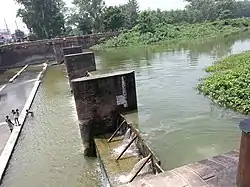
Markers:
point(229, 83)
point(169, 33)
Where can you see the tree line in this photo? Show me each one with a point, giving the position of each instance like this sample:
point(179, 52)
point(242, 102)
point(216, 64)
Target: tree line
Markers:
point(51, 18)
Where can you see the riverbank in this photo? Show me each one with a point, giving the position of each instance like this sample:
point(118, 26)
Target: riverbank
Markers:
point(166, 33)
point(229, 82)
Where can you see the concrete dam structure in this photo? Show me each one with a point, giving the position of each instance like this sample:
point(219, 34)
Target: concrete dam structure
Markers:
point(35, 52)
point(106, 108)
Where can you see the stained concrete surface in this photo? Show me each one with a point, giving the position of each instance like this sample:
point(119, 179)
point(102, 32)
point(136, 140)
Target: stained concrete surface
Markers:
point(7, 75)
point(218, 171)
point(14, 96)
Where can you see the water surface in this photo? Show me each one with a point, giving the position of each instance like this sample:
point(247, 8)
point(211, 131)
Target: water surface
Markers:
point(181, 125)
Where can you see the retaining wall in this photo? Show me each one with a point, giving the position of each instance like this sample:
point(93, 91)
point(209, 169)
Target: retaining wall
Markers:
point(21, 54)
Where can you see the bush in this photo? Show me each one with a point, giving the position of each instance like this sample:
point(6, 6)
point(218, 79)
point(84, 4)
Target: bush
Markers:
point(229, 83)
point(166, 32)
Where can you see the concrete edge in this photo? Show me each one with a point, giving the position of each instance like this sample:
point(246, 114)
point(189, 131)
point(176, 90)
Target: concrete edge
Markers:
point(3, 87)
point(14, 77)
point(18, 73)
point(10, 145)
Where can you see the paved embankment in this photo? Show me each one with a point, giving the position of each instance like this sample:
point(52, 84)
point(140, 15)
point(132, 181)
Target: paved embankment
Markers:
point(218, 171)
point(9, 147)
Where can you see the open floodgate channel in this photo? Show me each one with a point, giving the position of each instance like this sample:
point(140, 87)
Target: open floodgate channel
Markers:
point(120, 118)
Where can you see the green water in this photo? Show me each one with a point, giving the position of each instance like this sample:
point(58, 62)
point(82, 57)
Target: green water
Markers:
point(181, 125)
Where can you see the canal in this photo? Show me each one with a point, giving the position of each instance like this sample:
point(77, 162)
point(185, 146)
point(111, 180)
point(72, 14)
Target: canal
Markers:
point(181, 125)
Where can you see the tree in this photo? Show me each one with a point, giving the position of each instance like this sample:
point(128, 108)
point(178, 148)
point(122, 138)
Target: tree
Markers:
point(19, 33)
point(225, 8)
point(145, 22)
point(131, 13)
point(113, 18)
point(93, 8)
point(44, 18)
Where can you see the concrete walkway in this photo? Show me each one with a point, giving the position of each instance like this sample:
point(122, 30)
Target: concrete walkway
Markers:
point(14, 96)
point(9, 147)
point(218, 171)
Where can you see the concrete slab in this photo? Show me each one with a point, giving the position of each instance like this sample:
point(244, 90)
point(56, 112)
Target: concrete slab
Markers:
point(9, 147)
point(114, 168)
point(218, 171)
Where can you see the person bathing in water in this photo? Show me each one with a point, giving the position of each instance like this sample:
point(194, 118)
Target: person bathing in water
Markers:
point(10, 123)
point(29, 112)
point(16, 116)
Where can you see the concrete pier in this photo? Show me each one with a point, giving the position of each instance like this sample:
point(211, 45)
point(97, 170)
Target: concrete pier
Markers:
point(72, 50)
point(99, 100)
point(78, 64)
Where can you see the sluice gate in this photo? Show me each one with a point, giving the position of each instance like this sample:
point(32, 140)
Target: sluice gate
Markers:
point(105, 103)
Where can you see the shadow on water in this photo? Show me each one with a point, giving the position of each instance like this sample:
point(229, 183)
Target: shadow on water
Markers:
point(181, 125)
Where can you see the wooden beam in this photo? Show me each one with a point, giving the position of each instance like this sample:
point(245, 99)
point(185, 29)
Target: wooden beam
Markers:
point(159, 167)
point(113, 135)
point(126, 148)
point(149, 157)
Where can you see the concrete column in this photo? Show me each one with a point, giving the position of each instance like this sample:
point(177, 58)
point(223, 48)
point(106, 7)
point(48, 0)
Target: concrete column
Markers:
point(72, 50)
point(99, 100)
point(58, 53)
point(243, 175)
point(78, 64)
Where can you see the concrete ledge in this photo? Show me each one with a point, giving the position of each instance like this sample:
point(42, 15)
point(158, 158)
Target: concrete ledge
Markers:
point(2, 87)
point(18, 73)
point(14, 77)
point(10, 145)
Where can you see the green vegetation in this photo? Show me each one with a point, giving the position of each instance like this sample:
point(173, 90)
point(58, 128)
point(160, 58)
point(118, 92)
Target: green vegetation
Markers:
point(145, 33)
point(44, 18)
point(229, 83)
point(51, 18)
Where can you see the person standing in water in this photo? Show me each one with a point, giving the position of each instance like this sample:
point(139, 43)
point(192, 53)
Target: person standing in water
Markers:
point(16, 116)
point(10, 124)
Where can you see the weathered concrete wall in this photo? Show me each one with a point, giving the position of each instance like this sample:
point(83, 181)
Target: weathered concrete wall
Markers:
point(79, 64)
point(99, 100)
point(14, 55)
point(25, 53)
point(72, 50)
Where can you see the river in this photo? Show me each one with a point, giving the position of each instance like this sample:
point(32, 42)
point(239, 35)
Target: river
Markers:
point(181, 125)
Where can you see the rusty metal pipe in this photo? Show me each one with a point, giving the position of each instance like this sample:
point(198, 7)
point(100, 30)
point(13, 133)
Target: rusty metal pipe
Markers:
point(243, 174)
